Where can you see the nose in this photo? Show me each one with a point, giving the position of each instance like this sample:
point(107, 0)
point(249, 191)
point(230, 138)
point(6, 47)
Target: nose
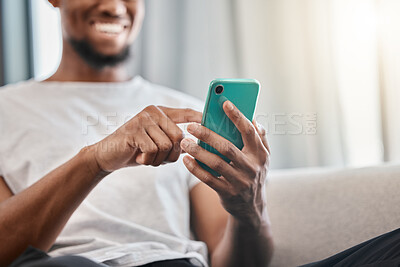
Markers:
point(114, 8)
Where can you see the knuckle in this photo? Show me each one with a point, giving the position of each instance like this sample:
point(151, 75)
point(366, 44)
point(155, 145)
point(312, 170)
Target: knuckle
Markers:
point(244, 186)
point(262, 154)
point(253, 170)
point(150, 108)
point(144, 118)
point(236, 115)
point(250, 187)
point(208, 180)
point(191, 168)
point(132, 126)
point(151, 112)
point(199, 132)
point(141, 118)
point(151, 149)
point(233, 192)
point(244, 191)
point(250, 130)
point(173, 157)
point(229, 150)
point(194, 149)
point(201, 135)
point(261, 128)
point(189, 110)
point(204, 132)
point(177, 137)
point(165, 146)
point(218, 165)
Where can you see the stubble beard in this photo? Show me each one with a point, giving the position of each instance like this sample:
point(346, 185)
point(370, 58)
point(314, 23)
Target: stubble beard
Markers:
point(95, 59)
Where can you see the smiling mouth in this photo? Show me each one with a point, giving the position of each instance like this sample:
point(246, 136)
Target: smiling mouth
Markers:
point(109, 28)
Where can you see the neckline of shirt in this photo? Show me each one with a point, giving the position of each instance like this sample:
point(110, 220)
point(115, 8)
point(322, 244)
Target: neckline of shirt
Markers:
point(137, 80)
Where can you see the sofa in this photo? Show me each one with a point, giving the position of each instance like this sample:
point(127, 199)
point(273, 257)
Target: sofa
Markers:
point(316, 213)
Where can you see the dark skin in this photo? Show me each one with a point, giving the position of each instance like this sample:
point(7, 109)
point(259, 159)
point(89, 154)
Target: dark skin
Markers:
point(227, 213)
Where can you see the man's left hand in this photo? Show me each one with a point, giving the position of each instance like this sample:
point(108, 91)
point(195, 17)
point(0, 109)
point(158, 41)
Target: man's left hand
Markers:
point(241, 185)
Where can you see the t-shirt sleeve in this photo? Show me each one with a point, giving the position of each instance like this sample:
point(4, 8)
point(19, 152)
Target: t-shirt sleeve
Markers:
point(192, 181)
point(196, 105)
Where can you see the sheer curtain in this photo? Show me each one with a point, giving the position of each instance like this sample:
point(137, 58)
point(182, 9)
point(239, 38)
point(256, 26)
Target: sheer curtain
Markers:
point(185, 44)
point(389, 74)
point(319, 56)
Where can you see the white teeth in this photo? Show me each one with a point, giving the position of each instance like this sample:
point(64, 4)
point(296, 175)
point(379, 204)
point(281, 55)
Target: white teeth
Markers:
point(109, 28)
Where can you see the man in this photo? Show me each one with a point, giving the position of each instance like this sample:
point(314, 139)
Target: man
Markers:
point(91, 165)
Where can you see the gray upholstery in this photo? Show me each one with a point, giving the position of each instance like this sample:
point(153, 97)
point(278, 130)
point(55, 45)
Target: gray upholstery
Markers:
point(317, 213)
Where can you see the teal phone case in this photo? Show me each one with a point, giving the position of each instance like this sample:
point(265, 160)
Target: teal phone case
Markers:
point(243, 93)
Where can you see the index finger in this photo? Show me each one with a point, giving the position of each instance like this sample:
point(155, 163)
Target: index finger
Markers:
point(182, 115)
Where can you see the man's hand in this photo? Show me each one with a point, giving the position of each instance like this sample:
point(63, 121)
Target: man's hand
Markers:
point(241, 184)
point(150, 138)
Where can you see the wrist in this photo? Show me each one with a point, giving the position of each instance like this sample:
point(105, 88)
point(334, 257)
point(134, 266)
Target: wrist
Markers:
point(252, 221)
point(88, 156)
point(250, 230)
point(252, 224)
point(255, 215)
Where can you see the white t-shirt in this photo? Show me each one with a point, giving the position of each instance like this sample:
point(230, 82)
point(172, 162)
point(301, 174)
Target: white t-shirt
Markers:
point(135, 215)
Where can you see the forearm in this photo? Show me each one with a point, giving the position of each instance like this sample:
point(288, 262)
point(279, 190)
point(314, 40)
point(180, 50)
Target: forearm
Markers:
point(244, 245)
point(37, 215)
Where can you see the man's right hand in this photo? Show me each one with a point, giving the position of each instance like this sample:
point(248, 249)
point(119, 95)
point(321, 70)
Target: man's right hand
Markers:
point(150, 138)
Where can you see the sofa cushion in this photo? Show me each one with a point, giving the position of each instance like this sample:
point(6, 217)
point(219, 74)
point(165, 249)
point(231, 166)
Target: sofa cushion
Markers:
point(319, 212)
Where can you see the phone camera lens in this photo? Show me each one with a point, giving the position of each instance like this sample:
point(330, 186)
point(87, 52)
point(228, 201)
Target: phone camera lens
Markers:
point(219, 89)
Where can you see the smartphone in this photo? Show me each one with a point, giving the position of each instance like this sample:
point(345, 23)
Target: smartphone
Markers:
point(243, 93)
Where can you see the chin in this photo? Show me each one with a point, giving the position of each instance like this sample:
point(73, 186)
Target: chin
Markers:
point(100, 55)
point(110, 49)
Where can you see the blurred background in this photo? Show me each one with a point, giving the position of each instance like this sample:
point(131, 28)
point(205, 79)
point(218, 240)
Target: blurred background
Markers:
point(329, 69)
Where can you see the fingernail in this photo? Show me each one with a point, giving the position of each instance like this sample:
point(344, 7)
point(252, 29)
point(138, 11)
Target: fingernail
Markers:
point(229, 105)
point(185, 143)
point(186, 160)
